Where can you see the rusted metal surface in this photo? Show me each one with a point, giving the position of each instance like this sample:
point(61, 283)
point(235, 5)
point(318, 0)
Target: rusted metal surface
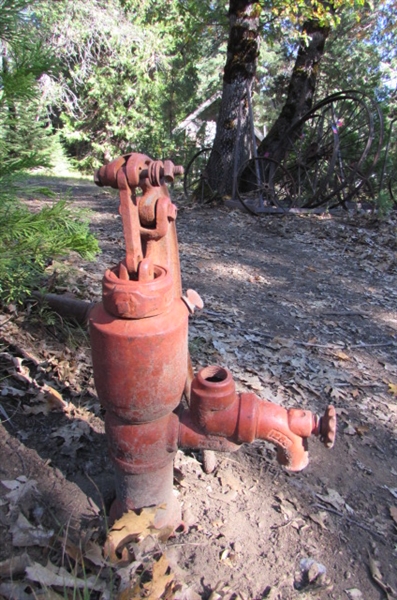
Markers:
point(139, 338)
point(154, 488)
point(67, 306)
point(141, 363)
point(217, 410)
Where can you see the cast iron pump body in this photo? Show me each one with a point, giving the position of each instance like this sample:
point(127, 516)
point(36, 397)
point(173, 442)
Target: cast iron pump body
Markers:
point(139, 338)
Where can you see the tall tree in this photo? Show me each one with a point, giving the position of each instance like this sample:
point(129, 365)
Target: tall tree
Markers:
point(310, 22)
point(232, 141)
point(129, 72)
point(301, 87)
point(24, 141)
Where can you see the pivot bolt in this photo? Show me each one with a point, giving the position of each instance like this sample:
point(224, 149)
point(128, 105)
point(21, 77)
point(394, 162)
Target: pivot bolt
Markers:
point(171, 170)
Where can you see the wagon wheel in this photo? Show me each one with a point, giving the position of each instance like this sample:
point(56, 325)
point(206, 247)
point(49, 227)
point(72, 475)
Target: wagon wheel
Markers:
point(373, 155)
point(362, 191)
point(361, 180)
point(262, 182)
point(327, 148)
point(196, 182)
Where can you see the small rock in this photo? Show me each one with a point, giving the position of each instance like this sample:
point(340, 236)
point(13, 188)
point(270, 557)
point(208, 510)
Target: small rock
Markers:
point(354, 594)
point(189, 518)
point(350, 430)
point(313, 574)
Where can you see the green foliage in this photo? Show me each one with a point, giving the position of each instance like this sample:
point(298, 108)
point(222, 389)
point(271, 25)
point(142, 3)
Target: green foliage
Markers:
point(119, 76)
point(13, 13)
point(325, 13)
point(25, 139)
point(384, 203)
point(352, 58)
point(131, 71)
point(25, 142)
point(29, 241)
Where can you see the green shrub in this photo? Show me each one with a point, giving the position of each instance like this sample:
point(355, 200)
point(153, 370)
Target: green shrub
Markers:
point(29, 241)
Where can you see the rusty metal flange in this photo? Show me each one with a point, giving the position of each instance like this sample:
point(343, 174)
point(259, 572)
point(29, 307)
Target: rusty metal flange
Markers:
point(129, 299)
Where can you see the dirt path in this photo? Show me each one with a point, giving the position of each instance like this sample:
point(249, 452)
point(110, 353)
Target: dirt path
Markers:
point(302, 310)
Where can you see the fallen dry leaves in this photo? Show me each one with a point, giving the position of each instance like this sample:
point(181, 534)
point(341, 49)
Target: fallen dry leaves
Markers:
point(287, 344)
point(132, 526)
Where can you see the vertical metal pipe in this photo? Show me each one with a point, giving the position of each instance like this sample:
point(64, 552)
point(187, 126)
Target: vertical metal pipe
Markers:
point(253, 142)
point(236, 153)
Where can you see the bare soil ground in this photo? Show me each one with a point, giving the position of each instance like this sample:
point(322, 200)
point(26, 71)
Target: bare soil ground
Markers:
point(302, 310)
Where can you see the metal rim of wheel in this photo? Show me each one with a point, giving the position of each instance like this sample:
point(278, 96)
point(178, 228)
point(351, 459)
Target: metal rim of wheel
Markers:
point(195, 181)
point(392, 187)
point(263, 183)
point(361, 192)
point(373, 155)
point(362, 181)
point(327, 148)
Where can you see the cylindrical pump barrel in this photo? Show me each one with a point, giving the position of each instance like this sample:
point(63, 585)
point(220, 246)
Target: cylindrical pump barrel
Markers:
point(140, 364)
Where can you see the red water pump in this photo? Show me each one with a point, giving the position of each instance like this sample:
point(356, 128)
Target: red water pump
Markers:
point(139, 337)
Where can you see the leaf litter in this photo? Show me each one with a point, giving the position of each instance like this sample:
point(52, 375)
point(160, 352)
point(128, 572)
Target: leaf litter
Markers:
point(297, 321)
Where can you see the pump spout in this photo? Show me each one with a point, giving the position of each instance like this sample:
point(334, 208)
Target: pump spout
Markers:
point(218, 415)
point(289, 430)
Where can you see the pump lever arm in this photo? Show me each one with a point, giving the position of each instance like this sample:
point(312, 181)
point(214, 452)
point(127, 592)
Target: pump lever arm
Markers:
point(131, 227)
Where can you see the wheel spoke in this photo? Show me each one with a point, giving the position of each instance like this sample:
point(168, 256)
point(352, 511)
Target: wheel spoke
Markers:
point(196, 183)
point(262, 184)
point(328, 147)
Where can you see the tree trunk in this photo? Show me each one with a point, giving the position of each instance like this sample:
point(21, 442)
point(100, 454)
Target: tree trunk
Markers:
point(300, 90)
point(233, 139)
